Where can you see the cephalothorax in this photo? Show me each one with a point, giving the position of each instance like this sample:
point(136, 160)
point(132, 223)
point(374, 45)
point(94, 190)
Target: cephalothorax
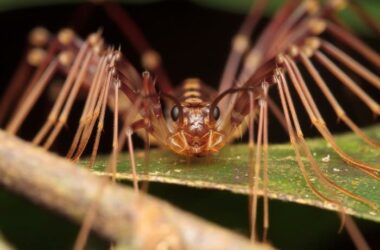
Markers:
point(193, 133)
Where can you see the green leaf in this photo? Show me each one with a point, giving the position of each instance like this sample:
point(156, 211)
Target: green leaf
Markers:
point(228, 170)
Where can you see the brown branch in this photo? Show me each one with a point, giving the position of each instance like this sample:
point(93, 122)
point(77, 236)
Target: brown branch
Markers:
point(139, 221)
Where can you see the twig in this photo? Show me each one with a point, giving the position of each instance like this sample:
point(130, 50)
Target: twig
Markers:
point(138, 221)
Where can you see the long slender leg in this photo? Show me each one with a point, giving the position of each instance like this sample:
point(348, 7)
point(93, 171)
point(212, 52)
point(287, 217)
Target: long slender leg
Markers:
point(265, 164)
point(15, 87)
point(284, 19)
point(115, 145)
point(355, 234)
point(38, 37)
point(294, 140)
point(240, 45)
point(251, 123)
point(316, 118)
point(145, 183)
point(81, 239)
point(354, 43)
point(127, 131)
point(92, 107)
point(351, 63)
point(98, 131)
point(256, 176)
point(132, 158)
point(88, 109)
point(29, 101)
point(118, 142)
point(303, 145)
point(289, 14)
point(251, 157)
point(346, 80)
point(150, 58)
point(346, 220)
point(277, 113)
point(70, 101)
point(93, 116)
point(333, 102)
point(40, 58)
point(100, 127)
point(52, 118)
point(90, 215)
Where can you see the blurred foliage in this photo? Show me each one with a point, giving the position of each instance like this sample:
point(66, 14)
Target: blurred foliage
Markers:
point(237, 6)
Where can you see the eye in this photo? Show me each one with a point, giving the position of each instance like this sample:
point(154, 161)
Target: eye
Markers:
point(216, 113)
point(174, 113)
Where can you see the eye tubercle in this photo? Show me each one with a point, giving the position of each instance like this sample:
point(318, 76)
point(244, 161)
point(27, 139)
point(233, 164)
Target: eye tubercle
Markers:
point(216, 113)
point(174, 113)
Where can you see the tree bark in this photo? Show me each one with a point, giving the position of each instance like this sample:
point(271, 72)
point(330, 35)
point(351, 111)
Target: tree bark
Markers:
point(122, 216)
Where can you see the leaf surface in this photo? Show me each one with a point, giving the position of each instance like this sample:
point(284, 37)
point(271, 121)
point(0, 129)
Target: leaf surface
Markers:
point(228, 170)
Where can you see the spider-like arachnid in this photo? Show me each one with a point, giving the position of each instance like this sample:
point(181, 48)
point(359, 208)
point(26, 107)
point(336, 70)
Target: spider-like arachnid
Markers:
point(197, 120)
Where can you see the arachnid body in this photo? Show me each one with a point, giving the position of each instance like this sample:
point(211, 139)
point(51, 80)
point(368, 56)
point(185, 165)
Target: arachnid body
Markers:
point(197, 120)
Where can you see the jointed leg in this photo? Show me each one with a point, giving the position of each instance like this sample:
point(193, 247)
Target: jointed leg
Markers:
point(150, 58)
point(99, 129)
point(53, 116)
point(70, 101)
point(294, 138)
point(354, 42)
point(265, 163)
point(88, 110)
point(315, 117)
point(32, 97)
point(256, 171)
point(45, 59)
point(333, 102)
point(277, 113)
point(115, 146)
point(346, 80)
point(93, 116)
point(351, 63)
point(240, 45)
point(21, 76)
point(356, 236)
point(280, 25)
point(126, 133)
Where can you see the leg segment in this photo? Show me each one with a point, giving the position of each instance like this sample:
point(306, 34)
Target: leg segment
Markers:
point(52, 118)
point(256, 172)
point(150, 58)
point(316, 118)
point(333, 102)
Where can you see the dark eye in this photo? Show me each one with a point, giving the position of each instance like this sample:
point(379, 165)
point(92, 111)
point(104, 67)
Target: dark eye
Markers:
point(174, 113)
point(216, 113)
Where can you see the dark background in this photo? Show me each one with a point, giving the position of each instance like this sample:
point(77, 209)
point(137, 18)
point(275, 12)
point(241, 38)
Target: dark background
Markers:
point(193, 42)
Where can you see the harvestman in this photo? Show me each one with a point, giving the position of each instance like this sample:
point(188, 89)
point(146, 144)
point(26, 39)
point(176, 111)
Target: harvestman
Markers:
point(199, 120)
